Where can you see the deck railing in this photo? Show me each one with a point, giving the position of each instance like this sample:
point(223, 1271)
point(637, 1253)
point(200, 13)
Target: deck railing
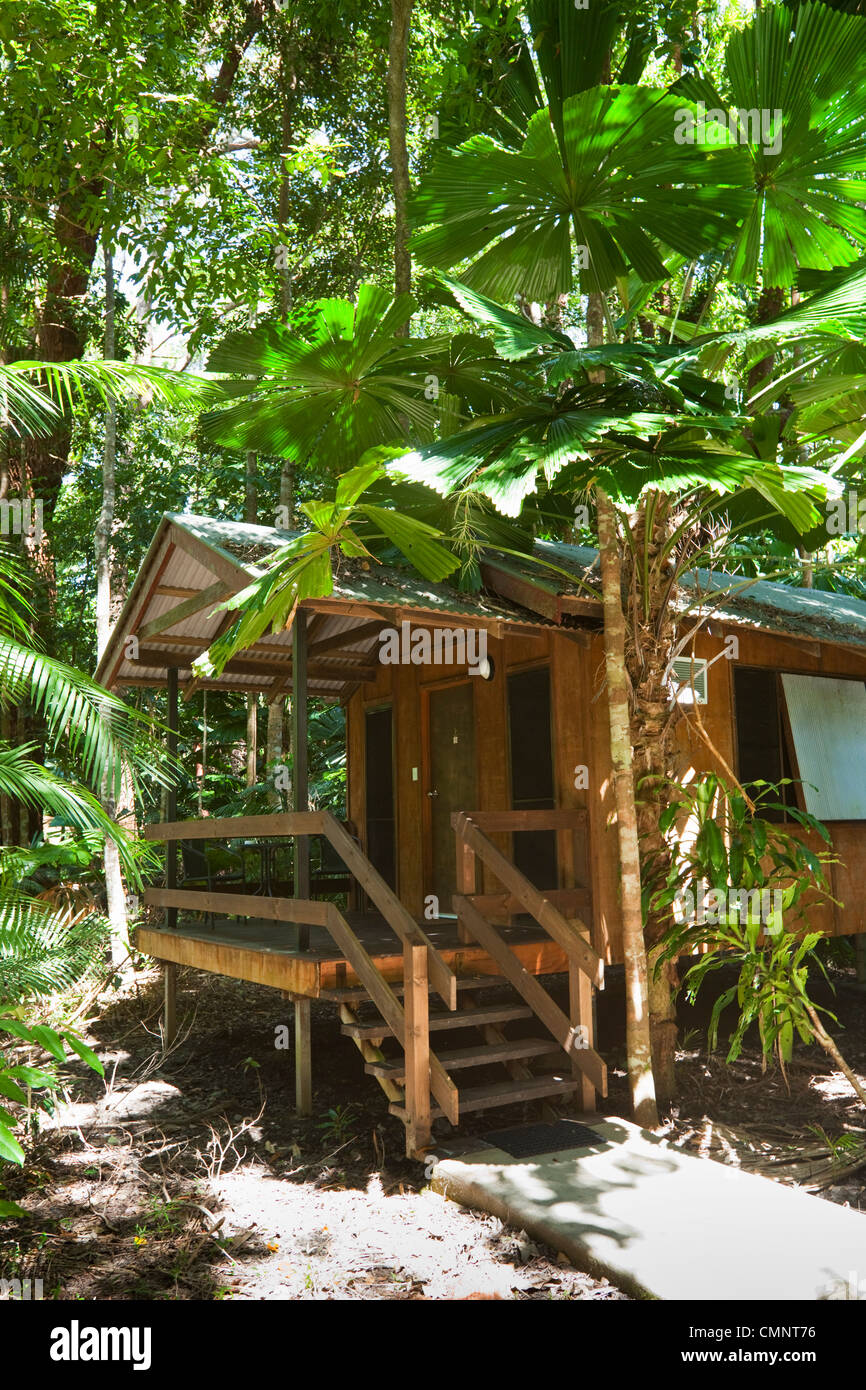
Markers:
point(297, 910)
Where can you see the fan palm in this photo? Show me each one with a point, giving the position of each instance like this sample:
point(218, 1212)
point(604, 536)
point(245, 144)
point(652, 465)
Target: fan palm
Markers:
point(807, 72)
point(602, 175)
point(345, 383)
point(90, 737)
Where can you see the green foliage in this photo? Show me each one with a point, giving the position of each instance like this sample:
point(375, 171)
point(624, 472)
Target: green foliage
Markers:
point(302, 568)
point(339, 1123)
point(610, 180)
point(762, 879)
point(807, 194)
point(19, 1080)
point(344, 383)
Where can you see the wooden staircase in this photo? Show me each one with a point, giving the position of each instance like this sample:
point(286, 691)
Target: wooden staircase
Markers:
point(470, 1035)
point(475, 1035)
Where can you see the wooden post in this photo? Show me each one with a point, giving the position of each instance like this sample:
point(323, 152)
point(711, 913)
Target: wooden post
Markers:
point(171, 748)
point(303, 1057)
point(466, 881)
point(300, 787)
point(416, 1002)
point(581, 1012)
point(169, 1016)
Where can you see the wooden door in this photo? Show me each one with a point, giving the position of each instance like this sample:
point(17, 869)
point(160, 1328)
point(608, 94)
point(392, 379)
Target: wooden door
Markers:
point(450, 781)
point(532, 789)
point(379, 776)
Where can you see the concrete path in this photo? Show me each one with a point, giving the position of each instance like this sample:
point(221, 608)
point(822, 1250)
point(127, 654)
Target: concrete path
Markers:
point(663, 1224)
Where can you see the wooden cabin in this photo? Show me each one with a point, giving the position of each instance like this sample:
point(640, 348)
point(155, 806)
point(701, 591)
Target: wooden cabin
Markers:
point(478, 843)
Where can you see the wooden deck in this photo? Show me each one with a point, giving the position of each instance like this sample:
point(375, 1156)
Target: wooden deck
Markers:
point(265, 952)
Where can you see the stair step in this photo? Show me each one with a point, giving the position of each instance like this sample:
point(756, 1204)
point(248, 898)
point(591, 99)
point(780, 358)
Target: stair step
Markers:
point(472, 1056)
point(439, 1022)
point(356, 994)
point(502, 1093)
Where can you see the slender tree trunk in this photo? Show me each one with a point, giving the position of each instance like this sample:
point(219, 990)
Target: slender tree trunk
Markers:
point(202, 767)
point(114, 886)
point(105, 524)
point(832, 1050)
point(401, 13)
point(252, 739)
point(250, 515)
point(637, 1028)
point(288, 82)
point(807, 573)
point(769, 307)
point(638, 1045)
point(250, 488)
point(274, 747)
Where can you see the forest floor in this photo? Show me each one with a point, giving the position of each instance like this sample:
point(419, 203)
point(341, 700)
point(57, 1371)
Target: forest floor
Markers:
point(188, 1175)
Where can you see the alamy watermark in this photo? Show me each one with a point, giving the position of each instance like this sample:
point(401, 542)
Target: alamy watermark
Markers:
point(846, 515)
point(21, 1290)
point(743, 905)
point(742, 125)
point(19, 518)
point(438, 646)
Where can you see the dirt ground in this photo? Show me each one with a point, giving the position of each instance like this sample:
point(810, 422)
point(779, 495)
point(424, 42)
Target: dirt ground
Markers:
point(189, 1176)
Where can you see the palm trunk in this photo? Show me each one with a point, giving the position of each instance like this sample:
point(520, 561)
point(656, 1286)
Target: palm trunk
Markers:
point(649, 642)
point(637, 1029)
point(638, 1045)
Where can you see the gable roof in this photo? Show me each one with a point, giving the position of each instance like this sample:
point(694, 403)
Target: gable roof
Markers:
point(194, 562)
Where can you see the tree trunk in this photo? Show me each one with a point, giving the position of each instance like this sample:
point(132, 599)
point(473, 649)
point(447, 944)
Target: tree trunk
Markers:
point(252, 739)
point(401, 13)
point(251, 516)
point(770, 304)
point(648, 650)
point(638, 1046)
point(288, 82)
point(61, 331)
point(637, 1028)
point(114, 886)
point(274, 747)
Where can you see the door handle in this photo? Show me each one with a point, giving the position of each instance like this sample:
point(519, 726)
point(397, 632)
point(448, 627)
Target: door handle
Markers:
point(433, 793)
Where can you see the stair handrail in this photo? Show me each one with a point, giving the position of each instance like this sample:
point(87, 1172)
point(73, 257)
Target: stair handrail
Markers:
point(399, 919)
point(545, 913)
point(413, 1039)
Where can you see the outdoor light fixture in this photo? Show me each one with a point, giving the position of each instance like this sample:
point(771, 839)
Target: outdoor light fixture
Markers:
point(486, 668)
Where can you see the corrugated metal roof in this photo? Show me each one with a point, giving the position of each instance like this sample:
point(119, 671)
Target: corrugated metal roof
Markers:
point(232, 553)
point(814, 614)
